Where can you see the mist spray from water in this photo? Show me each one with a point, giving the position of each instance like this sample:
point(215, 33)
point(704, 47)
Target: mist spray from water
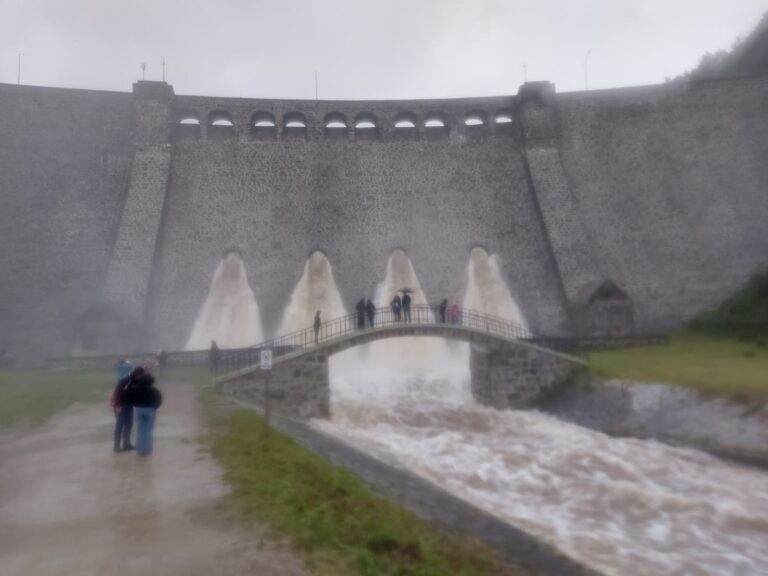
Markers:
point(315, 291)
point(230, 315)
point(487, 291)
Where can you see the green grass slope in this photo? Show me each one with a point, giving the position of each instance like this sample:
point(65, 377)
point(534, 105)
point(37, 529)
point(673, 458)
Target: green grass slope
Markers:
point(29, 398)
point(744, 315)
point(706, 363)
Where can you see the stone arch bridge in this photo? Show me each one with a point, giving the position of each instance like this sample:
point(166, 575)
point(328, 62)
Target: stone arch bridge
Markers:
point(507, 369)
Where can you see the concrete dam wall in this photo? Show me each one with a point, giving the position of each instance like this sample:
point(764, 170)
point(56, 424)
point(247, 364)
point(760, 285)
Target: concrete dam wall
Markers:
point(611, 211)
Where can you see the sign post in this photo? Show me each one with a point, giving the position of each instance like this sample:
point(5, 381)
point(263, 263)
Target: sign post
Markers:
point(266, 364)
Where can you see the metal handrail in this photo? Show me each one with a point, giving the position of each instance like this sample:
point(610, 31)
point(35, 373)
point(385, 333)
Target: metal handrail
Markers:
point(383, 317)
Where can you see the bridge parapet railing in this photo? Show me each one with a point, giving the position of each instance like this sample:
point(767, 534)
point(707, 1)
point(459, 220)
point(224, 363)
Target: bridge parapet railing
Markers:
point(384, 317)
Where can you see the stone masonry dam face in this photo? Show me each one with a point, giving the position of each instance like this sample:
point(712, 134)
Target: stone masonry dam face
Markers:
point(116, 209)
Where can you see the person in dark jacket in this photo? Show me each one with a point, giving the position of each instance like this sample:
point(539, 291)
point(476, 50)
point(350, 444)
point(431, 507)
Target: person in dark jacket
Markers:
point(442, 308)
point(407, 306)
point(317, 325)
point(214, 357)
point(370, 311)
point(396, 306)
point(123, 411)
point(145, 399)
point(162, 360)
point(360, 314)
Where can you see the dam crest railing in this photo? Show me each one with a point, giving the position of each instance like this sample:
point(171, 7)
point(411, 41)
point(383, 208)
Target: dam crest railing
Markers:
point(343, 326)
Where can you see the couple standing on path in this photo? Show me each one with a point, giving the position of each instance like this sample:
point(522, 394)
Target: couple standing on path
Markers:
point(134, 389)
point(365, 309)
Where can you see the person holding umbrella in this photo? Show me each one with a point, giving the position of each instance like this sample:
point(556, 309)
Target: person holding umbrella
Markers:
point(360, 314)
point(317, 325)
point(406, 304)
point(370, 311)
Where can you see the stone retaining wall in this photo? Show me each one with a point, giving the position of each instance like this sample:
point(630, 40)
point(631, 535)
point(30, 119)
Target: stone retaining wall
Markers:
point(297, 388)
point(518, 376)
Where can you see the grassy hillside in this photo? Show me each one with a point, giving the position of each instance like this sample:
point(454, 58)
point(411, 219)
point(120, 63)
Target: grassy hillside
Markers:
point(28, 398)
point(726, 351)
point(709, 364)
point(744, 315)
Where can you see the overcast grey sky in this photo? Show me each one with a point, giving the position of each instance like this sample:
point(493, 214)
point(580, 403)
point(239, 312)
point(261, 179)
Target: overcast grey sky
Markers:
point(363, 49)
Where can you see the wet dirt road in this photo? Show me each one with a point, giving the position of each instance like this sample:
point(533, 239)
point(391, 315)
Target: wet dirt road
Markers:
point(69, 505)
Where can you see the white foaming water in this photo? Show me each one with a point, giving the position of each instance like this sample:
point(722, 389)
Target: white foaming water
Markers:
point(626, 507)
point(486, 290)
point(397, 364)
point(315, 291)
point(230, 315)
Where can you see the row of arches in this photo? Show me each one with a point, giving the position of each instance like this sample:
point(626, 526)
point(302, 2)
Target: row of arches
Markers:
point(332, 121)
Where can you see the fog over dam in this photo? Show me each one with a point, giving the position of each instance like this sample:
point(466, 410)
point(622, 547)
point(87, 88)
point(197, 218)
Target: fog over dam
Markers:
point(613, 211)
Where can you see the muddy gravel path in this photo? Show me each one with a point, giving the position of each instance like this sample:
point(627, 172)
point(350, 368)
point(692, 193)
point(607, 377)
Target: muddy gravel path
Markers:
point(69, 505)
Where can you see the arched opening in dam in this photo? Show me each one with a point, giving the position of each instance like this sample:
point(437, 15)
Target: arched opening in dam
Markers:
point(435, 120)
point(263, 120)
point(335, 120)
point(189, 117)
point(405, 120)
point(220, 118)
point(475, 118)
point(230, 314)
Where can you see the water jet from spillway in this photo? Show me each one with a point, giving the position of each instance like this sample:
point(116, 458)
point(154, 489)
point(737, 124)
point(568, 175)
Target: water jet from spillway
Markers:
point(315, 291)
point(406, 366)
point(230, 315)
point(487, 291)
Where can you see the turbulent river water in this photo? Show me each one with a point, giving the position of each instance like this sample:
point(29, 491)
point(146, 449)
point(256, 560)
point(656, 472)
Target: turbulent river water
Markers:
point(623, 506)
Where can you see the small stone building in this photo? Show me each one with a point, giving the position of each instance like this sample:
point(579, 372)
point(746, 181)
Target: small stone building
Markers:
point(604, 309)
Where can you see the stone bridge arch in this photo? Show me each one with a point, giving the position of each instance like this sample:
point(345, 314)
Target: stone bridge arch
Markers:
point(506, 371)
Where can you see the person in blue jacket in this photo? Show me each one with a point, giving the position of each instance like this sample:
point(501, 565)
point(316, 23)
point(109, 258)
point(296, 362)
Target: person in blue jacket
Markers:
point(145, 399)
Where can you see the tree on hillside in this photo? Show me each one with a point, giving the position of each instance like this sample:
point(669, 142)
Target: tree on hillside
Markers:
point(747, 57)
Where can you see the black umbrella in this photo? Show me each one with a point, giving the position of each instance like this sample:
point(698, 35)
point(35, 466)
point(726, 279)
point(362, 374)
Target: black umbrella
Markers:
point(405, 290)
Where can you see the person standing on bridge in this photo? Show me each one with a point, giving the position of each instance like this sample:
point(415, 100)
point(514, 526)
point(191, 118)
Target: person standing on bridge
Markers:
point(407, 306)
point(441, 309)
point(161, 360)
point(317, 324)
point(396, 306)
point(370, 311)
point(455, 314)
point(360, 314)
point(213, 357)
